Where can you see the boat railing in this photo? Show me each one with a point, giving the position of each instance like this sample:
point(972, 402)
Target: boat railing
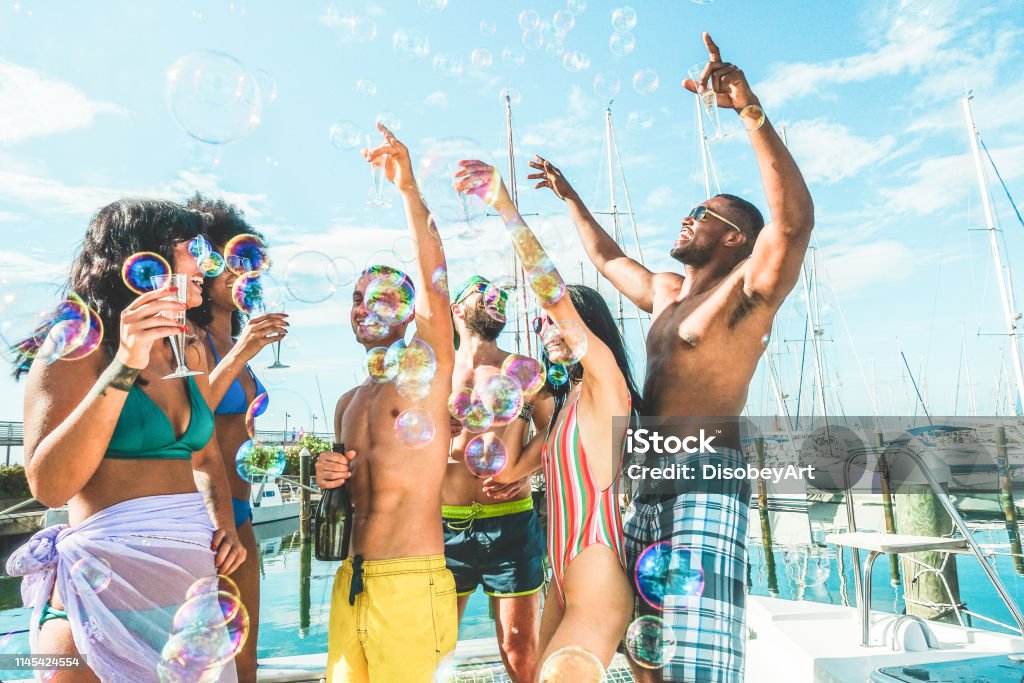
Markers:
point(958, 521)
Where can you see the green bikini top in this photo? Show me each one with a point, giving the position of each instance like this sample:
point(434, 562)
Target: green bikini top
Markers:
point(143, 431)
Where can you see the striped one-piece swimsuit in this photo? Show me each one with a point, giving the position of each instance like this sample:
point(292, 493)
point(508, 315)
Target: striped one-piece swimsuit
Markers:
point(579, 514)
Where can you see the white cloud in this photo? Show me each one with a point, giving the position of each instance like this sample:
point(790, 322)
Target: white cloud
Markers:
point(53, 196)
point(573, 139)
point(828, 152)
point(436, 99)
point(850, 269)
point(659, 198)
point(32, 105)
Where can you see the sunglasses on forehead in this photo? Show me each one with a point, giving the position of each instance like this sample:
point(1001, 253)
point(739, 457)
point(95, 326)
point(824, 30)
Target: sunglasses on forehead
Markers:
point(701, 212)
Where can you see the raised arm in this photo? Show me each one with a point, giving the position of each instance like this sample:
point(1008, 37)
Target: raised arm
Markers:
point(257, 333)
point(774, 265)
point(433, 315)
point(627, 275)
point(600, 370)
point(71, 409)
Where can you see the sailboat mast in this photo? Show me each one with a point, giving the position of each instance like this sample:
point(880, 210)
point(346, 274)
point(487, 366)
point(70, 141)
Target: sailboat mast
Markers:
point(518, 276)
point(810, 296)
point(1002, 272)
point(613, 207)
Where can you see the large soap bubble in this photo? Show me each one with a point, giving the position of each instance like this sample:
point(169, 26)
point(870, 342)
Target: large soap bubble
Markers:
point(213, 97)
point(450, 209)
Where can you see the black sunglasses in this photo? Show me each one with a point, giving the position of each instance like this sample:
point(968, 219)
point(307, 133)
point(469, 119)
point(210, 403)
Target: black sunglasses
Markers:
point(538, 323)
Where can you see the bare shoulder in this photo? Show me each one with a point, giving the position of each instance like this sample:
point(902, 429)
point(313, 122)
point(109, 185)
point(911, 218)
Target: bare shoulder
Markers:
point(667, 286)
point(52, 391)
point(344, 402)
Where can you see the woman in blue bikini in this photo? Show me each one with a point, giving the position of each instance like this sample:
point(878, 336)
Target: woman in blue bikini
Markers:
point(231, 343)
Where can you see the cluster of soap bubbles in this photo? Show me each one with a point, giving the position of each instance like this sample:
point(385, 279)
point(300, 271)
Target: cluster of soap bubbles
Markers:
point(215, 98)
point(411, 367)
point(208, 630)
point(39, 321)
point(494, 401)
point(255, 459)
point(662, 569)
point(209, 262)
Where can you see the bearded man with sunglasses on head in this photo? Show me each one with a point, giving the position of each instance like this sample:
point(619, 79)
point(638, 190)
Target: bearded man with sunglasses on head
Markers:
point(708, 331)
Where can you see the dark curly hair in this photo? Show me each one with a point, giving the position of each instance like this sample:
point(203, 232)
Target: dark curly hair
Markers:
point(117, 231)
point(226, 221)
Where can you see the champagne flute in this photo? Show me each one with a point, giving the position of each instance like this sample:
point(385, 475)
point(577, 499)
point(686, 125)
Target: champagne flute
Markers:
point(710, 100)
point(376, 182)
point(271, 301)
point(180, 281)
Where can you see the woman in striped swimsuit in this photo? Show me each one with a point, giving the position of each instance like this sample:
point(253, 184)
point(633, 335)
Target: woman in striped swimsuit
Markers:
point(590, 598)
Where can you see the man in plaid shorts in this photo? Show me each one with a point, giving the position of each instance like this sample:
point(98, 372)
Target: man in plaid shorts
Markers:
point(709, 327)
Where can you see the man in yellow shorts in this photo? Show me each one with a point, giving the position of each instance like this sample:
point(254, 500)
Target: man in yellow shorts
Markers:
point(393, 609)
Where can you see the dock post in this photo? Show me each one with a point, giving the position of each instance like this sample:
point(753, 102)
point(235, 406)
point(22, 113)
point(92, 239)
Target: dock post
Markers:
point(305, 506)
point(890, 518)
point(920, 513)
point(1006, 500)
point(766, 522)
point(305, 570)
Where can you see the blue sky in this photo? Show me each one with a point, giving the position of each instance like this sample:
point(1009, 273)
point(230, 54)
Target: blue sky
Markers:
point(868, 92)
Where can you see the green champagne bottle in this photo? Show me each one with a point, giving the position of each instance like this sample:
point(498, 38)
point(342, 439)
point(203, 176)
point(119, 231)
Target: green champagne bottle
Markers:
point(332, 524)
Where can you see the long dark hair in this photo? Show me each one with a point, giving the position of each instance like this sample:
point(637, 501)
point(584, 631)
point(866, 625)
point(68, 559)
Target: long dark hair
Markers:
point(594, 311)
point(117, 231)
point(226, 221)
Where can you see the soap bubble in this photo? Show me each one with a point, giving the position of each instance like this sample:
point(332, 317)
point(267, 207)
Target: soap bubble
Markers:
point(390, 120)
point(575, 61)
point(448, 65)
point(533, 40)
point(139, 269)
point(90, 575)
point(529, 19)
point(344, 135)
point(450, 209)
point(213, 584)
point(486, 455)
point(417, 362)
point(621, 43)
point(219, 621)
point(255, 409)
point(439, 281)
point(199, 247)
point(360, 29)
point(502, 395)
point(563, 21)
point(606, 84)
point(488, 27)
point(194, 655)
point(624, 19)
point(482, 58)
point(528, 372)
point(558, 375)
point(404, 250)
point(390, 297)
point(577, 7)
point(410, 45)
point(213, 97)
point(460, 403)
point(645, 81)
point(647, 644)
point(345, 271)
point(255, 459)
point(414, 427)
point(511, 94)
point(376, 368)
point(574, 664)
point(412, 390)
point(663, 569)
point(268, 86)
point(92, 340)
point(373, 328)
point(513, 57)
point(212, 265)
point(479, 419)
point(248, 251)
point(366, 88)
point(433, 6)
point(310, 277)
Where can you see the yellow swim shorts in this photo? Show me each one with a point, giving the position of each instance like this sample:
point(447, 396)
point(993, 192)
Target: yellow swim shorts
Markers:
point(391, 620)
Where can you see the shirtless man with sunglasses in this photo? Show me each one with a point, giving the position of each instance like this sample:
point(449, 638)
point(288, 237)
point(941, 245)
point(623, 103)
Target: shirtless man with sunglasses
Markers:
point(706, 338)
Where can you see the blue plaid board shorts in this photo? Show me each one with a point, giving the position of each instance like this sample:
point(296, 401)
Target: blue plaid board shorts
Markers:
point(711, 520)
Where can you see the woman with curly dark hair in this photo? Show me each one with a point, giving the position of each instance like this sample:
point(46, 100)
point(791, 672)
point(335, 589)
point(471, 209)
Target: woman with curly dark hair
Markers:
point(231, 341)
point(133, 457)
